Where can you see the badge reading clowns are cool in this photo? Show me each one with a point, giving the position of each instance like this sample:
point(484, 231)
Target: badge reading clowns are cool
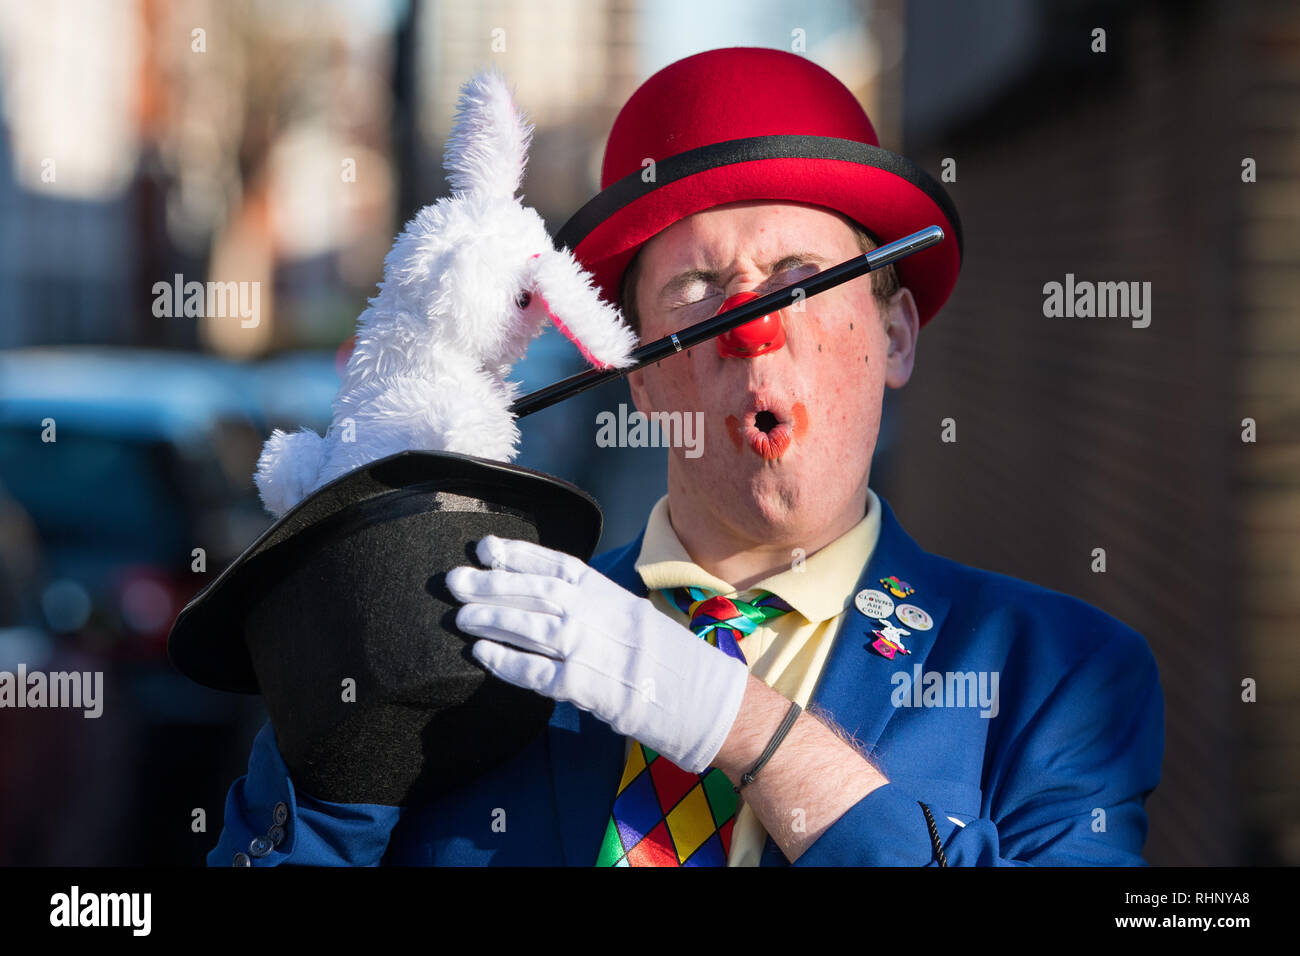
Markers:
point(875, 604)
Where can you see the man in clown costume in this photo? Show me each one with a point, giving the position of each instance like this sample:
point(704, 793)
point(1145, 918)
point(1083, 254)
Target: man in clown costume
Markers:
point(725, 696)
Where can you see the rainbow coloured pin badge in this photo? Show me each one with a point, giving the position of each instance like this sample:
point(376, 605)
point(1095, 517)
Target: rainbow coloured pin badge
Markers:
point(897, 586)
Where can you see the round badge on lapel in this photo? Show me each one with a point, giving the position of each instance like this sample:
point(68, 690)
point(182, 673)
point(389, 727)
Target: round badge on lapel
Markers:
point(914, 617)
point(876, 604)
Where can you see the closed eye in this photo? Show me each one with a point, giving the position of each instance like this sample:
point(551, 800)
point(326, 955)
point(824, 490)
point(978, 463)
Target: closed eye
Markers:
point(787, 277)
point(690, 292)
point(695, 292)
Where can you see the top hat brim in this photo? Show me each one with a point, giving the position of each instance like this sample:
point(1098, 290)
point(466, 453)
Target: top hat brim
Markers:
point(884, 192)
point(209, 642)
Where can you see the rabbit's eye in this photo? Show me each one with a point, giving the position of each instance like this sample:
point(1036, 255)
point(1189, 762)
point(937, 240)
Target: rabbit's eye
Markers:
point(523, 299)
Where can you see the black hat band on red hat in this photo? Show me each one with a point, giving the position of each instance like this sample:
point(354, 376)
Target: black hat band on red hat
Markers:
point(632, 187)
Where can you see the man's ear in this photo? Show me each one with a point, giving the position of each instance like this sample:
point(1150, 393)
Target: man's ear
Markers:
point(902, 326)
point(636, 385)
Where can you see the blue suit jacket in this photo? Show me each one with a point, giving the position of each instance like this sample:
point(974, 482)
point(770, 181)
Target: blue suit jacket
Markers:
point(1055, 773)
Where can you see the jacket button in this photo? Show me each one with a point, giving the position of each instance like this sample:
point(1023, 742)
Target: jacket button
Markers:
point(276, 835)
point(260, 846)
point(241, 859)
point(280, 814)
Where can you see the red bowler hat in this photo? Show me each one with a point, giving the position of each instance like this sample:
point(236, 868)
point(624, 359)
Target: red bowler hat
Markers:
point(748, 123)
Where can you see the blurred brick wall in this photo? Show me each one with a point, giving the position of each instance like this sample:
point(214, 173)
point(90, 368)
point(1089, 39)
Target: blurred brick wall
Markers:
point(1083, 433)
point(1267, 473)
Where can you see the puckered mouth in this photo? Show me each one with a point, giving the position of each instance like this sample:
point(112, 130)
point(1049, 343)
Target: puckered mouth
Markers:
point(768, 425)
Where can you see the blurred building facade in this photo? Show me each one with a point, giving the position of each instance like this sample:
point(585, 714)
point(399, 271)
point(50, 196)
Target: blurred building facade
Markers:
point(217, 141)
point(571, 63)
point(1081, 433)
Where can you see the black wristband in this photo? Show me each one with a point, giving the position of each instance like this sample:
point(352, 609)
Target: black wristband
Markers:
point(790, 716)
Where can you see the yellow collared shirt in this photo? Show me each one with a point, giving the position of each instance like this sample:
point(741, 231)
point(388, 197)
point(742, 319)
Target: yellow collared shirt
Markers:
point(787, 653)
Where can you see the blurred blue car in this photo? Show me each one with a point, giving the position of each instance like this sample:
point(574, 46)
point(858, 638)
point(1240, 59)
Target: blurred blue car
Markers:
point(152, 457)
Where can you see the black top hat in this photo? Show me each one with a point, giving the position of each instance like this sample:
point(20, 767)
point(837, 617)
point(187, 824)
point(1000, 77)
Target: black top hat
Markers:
point(339, 616)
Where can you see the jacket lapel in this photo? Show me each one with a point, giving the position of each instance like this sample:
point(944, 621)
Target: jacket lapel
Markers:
point(857, 683)
point(587, 756)
point(586, 765)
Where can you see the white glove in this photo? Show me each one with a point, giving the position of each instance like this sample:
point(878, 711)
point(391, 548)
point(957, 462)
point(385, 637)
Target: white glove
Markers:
point(570, 633)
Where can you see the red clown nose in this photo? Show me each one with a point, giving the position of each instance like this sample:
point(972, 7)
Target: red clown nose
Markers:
point(764, 334)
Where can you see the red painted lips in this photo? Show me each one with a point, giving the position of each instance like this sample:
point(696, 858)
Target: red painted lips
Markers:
point(768, 427)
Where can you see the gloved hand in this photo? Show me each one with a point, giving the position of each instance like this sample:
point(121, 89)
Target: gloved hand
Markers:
point(556, 626)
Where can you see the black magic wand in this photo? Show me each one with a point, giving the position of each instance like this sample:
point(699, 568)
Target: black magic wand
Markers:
point(717, 325)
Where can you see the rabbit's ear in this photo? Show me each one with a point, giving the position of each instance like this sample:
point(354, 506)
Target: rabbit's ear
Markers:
point(576, 309)
point(488, 147)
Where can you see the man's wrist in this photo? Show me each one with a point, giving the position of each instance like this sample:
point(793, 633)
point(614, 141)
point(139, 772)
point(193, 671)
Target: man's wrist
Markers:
point(761, 712)
point(812, 778)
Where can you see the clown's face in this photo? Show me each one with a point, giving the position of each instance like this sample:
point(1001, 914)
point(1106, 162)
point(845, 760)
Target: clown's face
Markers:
point(789, 434)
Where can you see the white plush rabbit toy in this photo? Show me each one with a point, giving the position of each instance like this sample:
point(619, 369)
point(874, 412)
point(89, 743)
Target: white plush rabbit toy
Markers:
point(467, 286)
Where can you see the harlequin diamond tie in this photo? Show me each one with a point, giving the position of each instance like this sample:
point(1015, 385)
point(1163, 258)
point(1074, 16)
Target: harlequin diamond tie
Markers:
point(662, 815)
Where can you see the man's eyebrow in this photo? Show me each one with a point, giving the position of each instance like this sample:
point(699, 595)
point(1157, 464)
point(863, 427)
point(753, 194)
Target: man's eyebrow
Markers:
point(677, 282)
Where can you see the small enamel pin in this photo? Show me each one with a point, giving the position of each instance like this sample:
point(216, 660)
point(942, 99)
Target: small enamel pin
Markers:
point(889, 641)
point(897, 586)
